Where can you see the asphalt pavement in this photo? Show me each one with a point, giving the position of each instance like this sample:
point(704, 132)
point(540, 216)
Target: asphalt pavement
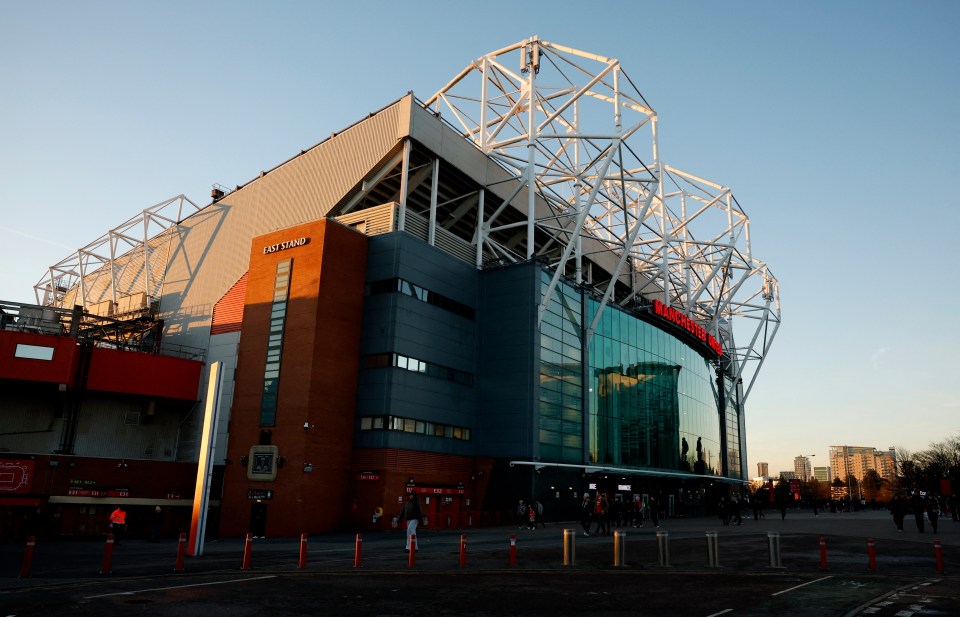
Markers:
point(838, 563)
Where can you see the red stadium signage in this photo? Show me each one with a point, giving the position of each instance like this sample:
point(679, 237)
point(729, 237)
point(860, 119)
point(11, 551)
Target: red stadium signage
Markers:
point(674, 316)
point(282, 246)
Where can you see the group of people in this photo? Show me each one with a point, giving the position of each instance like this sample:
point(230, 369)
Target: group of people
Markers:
point(928, 507)
point(606, 513)
point(729, 511)
point(530, 515)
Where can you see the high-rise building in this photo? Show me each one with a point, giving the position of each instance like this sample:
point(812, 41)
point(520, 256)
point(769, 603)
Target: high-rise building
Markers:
point(822, 474)
point(857, 460)
point(763, 470)
point(801, 467)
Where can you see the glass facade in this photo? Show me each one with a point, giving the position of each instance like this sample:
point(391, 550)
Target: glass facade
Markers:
point(650, 402)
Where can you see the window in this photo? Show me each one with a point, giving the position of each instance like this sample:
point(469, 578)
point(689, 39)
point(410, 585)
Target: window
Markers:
point(271, 372)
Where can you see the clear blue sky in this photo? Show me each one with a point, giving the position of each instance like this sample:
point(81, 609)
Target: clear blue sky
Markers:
point(836, 125)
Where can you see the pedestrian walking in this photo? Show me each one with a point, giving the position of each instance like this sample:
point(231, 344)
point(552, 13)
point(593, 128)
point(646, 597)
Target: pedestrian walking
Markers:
point(933, 511)
point(157, 523)
point(586, 513)
point(118, 523)
point(539, 507)
point(601, 511)
point(531, 517)
point(654, 511)
point(898, 507)
point(412, 513)
point(521, 513)
point(917, 505)
point(952, 503)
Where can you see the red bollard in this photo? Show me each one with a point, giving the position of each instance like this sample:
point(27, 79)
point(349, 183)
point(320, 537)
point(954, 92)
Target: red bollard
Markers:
point(28, 556)
point(872, 553)
point(358, 551)
point(463, 550)
point(938, 553)
point(302, 563)
point(513, 550)
point(247, 549)
point(823, 553)
point(412, 557)
point(181, 551)
point(107, 555)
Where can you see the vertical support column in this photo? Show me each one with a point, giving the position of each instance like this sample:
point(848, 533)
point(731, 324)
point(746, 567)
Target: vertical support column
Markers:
point(532, 145)
point(404, 173)
point(434, 179)
point(481, 232)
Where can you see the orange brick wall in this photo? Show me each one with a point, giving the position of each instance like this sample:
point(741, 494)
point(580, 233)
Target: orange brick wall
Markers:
point(318, 380)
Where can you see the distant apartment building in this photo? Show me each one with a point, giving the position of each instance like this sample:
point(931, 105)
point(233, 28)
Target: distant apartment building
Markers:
point(763, 470)
point(787, 475)
point(802, 468)
point(822, 474)
point(857, 460)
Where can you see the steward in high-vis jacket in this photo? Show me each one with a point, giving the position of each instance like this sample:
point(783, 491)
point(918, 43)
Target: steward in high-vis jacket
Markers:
point(118, 522)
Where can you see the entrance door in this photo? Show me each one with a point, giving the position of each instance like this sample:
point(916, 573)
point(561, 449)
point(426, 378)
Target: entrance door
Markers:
point(258, 519)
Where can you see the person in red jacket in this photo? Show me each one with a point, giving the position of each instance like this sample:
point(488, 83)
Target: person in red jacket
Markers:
point(118, 522)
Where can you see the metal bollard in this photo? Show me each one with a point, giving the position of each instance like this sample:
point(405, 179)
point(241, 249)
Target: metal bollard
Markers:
point(107, 555)
point(247, 550)
point(569, 547)
point(619, 547)
point(181, 551)
point(823, 553)
point(28, 556)
point(463, 550)
point(513, 550)
point(773, 540)
point(713, 555)
point(302, 562)
point(938, 553)
point(871, 555)
point(412, 557)
point(358, 551)
point(663, 549)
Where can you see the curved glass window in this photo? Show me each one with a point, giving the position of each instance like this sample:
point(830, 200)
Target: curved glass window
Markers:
point(650, 399)
point(653, 400)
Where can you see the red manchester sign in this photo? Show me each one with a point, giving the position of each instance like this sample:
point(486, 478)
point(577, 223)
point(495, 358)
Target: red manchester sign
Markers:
point(674, 316)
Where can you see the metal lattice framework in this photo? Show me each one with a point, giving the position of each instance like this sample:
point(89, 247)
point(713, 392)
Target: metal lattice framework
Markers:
point(92, 273)
point(581, 141)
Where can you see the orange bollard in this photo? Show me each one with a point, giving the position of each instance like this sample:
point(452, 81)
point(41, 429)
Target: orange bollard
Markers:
point(412, 557)
point(107, 555)
point(358, 551)
point(513, 550)
point(247, 550)
point(872, 554)
point(28, 557)
point(463, 550)
point(302, 563)
point(181, 551)
point(938, 553)
point(823, 553)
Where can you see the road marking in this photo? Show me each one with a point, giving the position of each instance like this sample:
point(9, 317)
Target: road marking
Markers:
point(803, 585)
point(130, 593)
point(721, 612)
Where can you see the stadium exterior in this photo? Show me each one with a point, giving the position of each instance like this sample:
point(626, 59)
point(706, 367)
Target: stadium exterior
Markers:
point(500, 293)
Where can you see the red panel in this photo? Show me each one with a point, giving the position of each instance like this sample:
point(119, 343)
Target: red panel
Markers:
point(131, 372)
point(228, 311)
point(58, 370)
point(16, 476)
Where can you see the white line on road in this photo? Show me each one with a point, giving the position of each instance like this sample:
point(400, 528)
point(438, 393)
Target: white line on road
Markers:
point(721, 612)
point(803, 585)
point(130, 593)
